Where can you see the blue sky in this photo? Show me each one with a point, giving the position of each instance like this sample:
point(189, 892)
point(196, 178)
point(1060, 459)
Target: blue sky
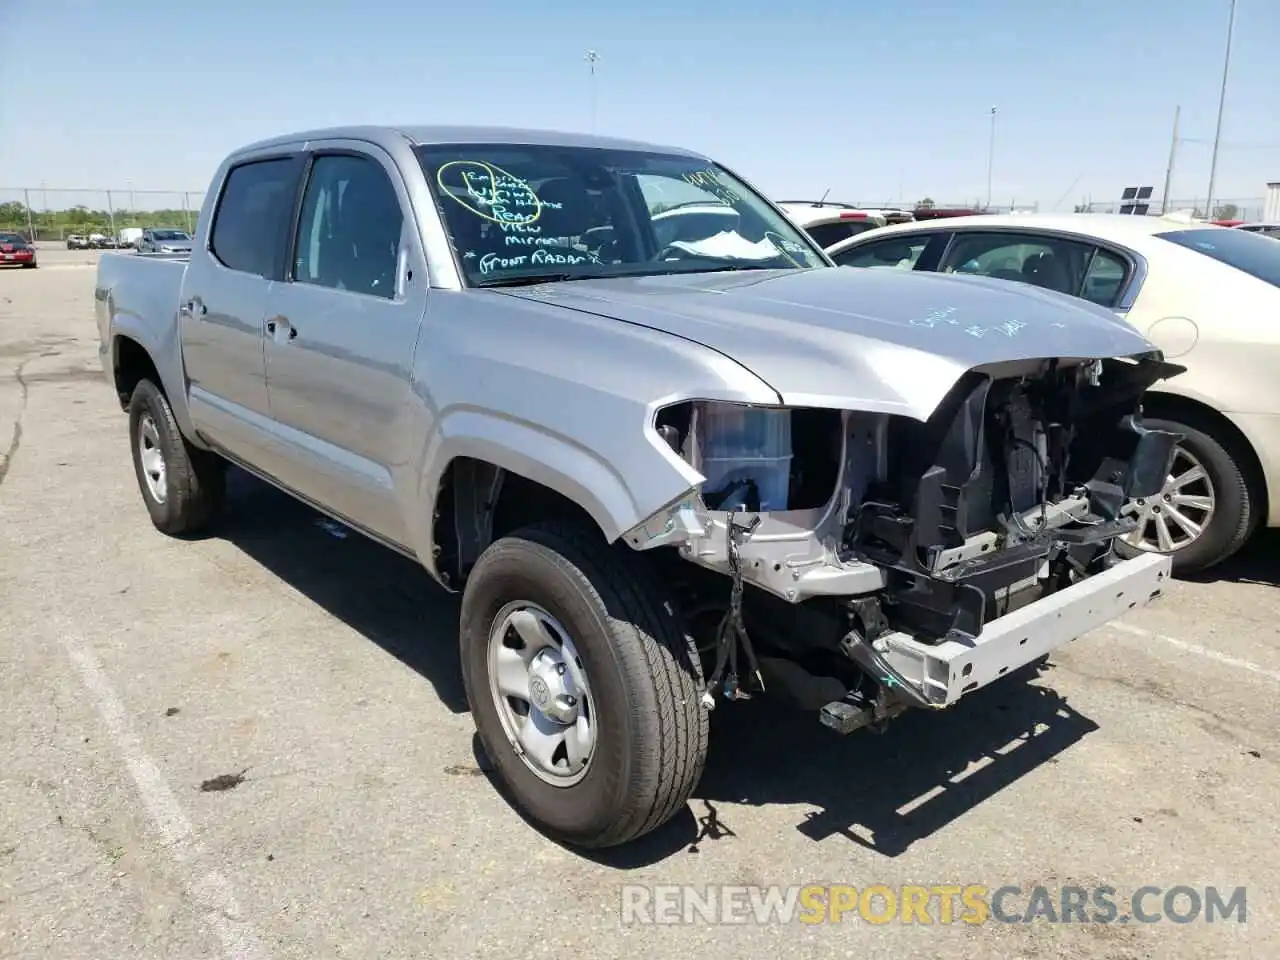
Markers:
point(874, 100)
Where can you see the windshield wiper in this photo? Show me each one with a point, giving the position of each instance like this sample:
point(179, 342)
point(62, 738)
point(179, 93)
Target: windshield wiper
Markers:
point(726, 268)
point(530, 281)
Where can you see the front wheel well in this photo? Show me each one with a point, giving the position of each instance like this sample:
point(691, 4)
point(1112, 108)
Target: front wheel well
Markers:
point(1170, 406)
point(131, 365)
point(479, 502)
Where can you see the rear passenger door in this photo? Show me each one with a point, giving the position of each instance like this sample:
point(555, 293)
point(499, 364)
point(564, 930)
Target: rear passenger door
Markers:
point(341, 331)
point(224, 296)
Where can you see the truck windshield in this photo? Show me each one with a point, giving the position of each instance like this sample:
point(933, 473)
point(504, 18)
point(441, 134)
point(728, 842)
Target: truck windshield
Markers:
point(520, 213)
point(1256, 255)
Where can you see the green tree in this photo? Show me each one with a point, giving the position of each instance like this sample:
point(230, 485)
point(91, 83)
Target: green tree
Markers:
point(57, 224)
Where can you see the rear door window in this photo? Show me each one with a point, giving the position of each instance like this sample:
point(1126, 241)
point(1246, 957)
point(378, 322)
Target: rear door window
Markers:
point(253, 214)
point(1105, 278)
point(1049, 262)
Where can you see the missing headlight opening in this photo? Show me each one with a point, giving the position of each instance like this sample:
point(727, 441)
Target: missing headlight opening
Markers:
point(876, 561)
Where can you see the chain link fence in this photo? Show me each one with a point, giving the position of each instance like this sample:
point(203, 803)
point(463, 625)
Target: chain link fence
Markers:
point(1247, 208)
point(53, 214)
point(42, 213)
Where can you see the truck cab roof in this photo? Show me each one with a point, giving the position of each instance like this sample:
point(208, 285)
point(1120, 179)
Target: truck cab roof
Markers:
point(426, 135)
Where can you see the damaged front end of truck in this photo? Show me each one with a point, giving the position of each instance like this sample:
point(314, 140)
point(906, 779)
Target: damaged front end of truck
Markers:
point(877, 562)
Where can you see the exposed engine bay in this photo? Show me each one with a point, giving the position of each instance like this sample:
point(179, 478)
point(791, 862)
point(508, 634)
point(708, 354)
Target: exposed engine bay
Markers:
point(876, 562)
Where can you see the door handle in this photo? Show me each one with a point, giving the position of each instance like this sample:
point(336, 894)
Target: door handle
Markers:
point(193, 307)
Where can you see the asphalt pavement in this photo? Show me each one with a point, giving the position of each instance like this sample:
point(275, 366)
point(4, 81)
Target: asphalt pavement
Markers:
point(256, 745)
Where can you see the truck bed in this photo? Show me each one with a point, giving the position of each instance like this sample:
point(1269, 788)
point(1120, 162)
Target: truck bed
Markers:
point(141, 292)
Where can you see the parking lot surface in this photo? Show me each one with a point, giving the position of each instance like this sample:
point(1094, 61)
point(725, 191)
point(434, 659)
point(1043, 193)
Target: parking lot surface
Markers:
point(256, 745)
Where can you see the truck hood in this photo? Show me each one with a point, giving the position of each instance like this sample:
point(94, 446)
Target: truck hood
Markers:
point(879, 340)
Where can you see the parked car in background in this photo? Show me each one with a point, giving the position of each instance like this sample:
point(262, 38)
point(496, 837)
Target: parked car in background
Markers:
point(945, 213)
point(828, 222)
point(15, 251)
point(1208, 296)
point(637, 458)
point(78, 241)
point(1267, 228)
point(129, 237)
point(164, 240)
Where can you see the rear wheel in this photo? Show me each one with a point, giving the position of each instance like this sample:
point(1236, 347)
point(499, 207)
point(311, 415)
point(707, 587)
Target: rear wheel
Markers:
point(182, 486)
point(1204, 513)
point(583, 686)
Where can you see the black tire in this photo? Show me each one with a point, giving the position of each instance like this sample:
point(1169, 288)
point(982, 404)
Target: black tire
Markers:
point(29, 266)
point(644, 673)
point(195, 479)
point(1234, 514)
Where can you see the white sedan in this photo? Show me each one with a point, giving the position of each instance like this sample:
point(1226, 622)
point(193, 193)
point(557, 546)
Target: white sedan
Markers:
point(1208, 296)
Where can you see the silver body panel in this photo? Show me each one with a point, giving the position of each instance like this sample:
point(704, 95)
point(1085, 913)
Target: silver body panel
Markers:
point(878, 341)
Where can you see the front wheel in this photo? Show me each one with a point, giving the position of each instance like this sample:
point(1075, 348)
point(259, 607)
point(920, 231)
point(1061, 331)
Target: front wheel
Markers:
point(1203, 514)
point(583, 686)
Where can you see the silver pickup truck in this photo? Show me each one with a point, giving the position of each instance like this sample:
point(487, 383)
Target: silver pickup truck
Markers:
point(666, 469)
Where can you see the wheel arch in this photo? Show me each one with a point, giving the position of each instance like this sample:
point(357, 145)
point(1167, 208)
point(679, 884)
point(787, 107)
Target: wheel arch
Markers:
point(479, 501)
point(1196, 413)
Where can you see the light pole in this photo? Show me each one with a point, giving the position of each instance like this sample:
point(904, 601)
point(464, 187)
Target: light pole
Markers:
point(991, 155)
point(1173, 153)
point(591, 59)
point(1222, 99)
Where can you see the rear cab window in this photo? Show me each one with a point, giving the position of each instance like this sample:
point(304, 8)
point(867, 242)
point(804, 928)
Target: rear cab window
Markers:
point(1258, 256)
point(253, 213)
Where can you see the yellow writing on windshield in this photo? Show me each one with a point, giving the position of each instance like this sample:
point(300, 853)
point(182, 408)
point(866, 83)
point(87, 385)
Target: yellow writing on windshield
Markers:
point(490, 192)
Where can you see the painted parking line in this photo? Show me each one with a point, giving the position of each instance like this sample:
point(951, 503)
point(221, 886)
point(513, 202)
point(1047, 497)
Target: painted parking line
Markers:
point(211, 890)
point(1202, 651)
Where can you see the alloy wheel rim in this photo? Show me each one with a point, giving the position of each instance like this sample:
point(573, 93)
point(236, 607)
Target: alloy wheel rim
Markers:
point(1178, 515)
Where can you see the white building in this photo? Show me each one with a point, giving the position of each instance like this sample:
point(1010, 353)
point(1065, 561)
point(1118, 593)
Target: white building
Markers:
point(1271, 206)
